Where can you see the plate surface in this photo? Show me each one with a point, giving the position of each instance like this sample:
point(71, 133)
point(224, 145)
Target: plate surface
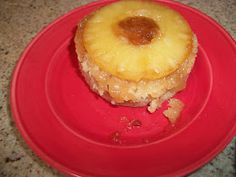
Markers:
point(78, 132)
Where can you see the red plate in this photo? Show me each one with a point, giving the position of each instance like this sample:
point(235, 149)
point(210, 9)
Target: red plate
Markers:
point(72, 129)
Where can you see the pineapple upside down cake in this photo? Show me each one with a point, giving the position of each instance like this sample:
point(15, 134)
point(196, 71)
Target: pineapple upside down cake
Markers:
point(136, 53)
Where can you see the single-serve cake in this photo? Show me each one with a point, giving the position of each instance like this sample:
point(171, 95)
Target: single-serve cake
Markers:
point(135, 53)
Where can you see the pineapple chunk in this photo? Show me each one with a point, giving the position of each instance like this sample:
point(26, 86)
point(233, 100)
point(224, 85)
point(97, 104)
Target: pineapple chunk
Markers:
point(118, 56)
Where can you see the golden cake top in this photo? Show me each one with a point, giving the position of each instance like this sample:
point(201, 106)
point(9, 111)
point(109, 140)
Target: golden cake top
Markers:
point(137, 40)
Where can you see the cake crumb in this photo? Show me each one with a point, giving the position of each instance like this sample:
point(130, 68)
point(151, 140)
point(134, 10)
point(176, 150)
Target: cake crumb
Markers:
point(154, 104)
point(174, 110)
point(115, 136)
point(134, 123)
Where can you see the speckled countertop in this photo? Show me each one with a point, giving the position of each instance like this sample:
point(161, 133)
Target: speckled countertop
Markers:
point(20, 21)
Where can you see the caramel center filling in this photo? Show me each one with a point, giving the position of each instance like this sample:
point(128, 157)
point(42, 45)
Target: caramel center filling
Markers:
point(138, 30)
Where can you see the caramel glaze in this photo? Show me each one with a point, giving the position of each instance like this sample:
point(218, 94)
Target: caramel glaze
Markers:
point(138, 30)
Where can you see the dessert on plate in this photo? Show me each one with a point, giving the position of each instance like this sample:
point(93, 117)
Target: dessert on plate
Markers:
point(135, 53)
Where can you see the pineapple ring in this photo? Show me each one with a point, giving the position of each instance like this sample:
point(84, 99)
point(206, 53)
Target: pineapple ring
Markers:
point(170, 44)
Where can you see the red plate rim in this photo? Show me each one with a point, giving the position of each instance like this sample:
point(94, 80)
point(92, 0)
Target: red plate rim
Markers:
point(62, 168)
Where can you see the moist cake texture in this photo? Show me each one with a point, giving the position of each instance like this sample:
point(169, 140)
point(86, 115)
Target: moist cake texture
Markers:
point(135, 53)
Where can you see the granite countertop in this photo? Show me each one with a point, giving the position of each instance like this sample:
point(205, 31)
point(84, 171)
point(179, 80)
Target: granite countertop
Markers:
point(20, 21)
